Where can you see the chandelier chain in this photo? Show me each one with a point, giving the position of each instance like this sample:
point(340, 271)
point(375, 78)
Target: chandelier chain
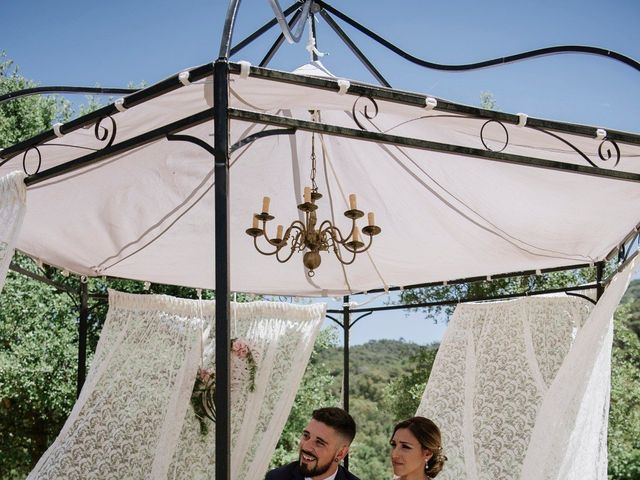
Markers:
point(314, 185)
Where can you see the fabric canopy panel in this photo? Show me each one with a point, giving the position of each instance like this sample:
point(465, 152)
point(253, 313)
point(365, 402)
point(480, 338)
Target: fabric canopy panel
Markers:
point(134, 417)
point(520, 389)
point(493, 369)
point(12, 209)
point(148, 214)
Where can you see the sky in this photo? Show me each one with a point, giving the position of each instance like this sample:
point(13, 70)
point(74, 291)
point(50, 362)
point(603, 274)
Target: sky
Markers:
point(117, 43)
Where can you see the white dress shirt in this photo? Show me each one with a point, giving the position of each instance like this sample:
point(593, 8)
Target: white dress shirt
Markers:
point(332, 477)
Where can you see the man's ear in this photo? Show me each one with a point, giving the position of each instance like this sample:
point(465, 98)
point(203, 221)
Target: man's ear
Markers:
point(341, 453)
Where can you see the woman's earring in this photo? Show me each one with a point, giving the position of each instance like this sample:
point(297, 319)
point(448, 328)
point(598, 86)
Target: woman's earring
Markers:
point(426, 464)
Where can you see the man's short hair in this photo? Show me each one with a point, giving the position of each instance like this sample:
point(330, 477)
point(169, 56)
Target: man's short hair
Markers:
point(338, 419)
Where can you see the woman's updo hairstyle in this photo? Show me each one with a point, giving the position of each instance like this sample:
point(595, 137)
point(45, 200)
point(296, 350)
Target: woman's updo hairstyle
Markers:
point(428, 434)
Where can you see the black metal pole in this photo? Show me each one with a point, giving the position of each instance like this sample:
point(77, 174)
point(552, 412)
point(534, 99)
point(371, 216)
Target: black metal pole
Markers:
point(599, 275)
point(221, 173)
point(313, 33)
point(227, 33)
point(354, 48)
point(223, 339)
point(82, 336)
point(346, 320)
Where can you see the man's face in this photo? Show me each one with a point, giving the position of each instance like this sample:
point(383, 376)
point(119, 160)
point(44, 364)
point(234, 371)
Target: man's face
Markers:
point(321, 449)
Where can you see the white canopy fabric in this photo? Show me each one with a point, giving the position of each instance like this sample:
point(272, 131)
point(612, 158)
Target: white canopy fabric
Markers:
point(148, 214)
point(12, 209)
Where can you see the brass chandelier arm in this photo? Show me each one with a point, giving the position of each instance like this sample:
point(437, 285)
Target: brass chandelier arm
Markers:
point(291, 252)
point(338, 252)
point(359, 250)
point(326, 227)
point(255, 244)
point(295, 241)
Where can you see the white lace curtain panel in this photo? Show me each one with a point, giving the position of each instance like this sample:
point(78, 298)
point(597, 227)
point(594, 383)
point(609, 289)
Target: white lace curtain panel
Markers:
point(521, 388)
point(134, 418)
point(13, 195)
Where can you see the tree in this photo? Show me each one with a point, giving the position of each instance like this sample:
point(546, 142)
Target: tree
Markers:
point(487, 101)
point(24, 117)
point(403, 395)
point(624, 412)
point(38, 333)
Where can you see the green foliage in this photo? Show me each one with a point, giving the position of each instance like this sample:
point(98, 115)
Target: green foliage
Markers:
point(94, 102)
point(624, 413)
point(38, 367)
point(632, 297)
point(24, 117)
point(402, 396)
point(487, 101)
point(495, 287)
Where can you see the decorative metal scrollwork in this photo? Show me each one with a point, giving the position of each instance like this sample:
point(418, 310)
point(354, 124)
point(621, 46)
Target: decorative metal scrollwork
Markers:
point(102, 133)
point(24, 161)
point(506, 134)
point(605, 153)
point(616, 148)
point(364, 111)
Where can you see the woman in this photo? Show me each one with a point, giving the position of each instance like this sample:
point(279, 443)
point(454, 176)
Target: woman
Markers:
point(416, 449)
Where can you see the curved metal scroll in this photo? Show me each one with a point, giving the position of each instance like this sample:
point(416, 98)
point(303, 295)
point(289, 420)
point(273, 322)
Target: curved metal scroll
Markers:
point(487, 63)
point(365, 111)
point(264, 133)
point(24, 161)
point(506, 133)
point(609, 155)
point(103, 133)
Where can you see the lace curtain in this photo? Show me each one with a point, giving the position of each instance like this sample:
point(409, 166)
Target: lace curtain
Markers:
point(521, 387)
point(571, 429)
point(13, 194)
point(134, 418)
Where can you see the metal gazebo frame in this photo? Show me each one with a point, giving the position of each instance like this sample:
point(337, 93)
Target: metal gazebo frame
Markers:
point(222, 114)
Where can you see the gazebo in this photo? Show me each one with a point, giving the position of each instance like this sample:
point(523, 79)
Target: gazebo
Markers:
point(378, 189)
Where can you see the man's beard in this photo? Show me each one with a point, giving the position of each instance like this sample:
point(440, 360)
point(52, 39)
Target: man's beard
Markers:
point(308, 471)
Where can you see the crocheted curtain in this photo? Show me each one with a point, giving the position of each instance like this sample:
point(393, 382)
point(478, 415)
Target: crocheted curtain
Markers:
point(520, 388)
point(134, 417)
point(13, 195)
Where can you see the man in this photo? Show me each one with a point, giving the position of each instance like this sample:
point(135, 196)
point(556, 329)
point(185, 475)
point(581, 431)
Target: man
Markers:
point(324, 443)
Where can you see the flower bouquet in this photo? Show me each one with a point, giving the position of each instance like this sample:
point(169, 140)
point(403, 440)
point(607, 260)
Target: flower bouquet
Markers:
point(203, 396)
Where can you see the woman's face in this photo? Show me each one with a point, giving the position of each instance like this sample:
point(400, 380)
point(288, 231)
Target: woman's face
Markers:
point(408, 457)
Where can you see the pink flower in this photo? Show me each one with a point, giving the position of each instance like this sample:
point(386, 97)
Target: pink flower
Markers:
point(240, 348)
point(204, 375)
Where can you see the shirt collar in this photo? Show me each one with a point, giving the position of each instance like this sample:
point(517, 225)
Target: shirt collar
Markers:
point(332, 477)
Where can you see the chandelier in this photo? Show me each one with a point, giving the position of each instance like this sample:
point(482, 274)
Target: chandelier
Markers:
point(309, 237)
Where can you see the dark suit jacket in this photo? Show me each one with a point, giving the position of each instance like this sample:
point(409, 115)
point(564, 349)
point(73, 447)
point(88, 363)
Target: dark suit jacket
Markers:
point(291, 472)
